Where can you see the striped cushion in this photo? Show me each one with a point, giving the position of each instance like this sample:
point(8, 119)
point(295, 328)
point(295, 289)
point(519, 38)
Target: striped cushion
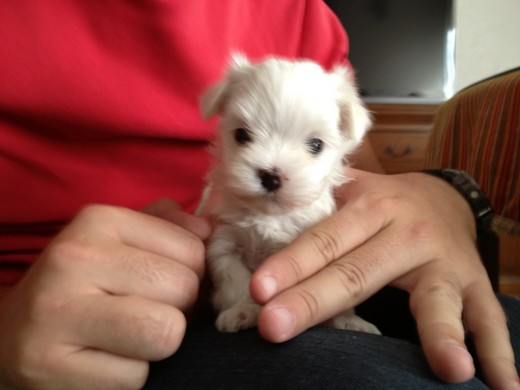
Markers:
point(478, 131)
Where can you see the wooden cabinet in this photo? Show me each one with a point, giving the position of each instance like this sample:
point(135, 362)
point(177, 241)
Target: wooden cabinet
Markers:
point(400, 134)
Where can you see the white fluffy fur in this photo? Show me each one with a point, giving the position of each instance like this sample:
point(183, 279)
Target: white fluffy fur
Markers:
point(282, 105)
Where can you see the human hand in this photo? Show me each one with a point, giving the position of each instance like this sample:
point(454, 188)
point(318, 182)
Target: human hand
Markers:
point(411, 231)
point(106, 296)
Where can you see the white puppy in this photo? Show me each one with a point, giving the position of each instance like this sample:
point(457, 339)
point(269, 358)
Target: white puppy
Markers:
point(285, 129)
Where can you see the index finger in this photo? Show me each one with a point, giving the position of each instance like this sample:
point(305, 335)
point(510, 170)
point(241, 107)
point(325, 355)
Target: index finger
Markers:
point(316, 248)
point(139, 230)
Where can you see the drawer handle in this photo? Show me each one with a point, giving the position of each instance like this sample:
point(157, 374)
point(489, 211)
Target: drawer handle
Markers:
point(390, 152)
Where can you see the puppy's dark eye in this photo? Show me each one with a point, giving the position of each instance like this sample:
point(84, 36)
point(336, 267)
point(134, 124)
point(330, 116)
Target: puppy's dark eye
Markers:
point(315, 145)
point(242, 136)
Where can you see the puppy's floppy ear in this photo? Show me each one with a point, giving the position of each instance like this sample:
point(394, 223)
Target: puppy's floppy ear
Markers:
point(354, 117)
point(214, 100)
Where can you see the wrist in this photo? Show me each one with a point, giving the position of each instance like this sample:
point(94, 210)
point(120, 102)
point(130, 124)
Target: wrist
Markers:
point(467, 187)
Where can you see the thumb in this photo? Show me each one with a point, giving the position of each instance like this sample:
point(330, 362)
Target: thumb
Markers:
point(171, 211)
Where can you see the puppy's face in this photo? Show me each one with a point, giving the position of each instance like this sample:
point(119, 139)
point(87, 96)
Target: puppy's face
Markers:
point(285, 129)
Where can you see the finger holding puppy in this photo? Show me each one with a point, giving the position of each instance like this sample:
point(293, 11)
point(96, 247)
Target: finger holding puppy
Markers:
point(315, 249)
point(169, 210)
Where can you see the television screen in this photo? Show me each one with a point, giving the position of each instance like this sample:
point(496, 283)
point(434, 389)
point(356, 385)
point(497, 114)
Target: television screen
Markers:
point(401, 50)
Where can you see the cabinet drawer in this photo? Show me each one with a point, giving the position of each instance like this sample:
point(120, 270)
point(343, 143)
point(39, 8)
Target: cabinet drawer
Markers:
point(400, 134)
point(399, 152)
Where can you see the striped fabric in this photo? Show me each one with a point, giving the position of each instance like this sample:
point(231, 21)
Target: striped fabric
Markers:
point(478, 131)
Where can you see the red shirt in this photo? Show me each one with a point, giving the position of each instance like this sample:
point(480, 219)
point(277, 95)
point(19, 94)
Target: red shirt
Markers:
point(99, 100)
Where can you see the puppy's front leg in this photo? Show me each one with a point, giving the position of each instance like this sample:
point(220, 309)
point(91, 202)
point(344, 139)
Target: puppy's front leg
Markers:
point(236, 308)
point(230, 277)
point(350, 320)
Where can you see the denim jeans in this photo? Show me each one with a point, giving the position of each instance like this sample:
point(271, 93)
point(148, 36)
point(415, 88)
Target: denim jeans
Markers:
point(320, 358)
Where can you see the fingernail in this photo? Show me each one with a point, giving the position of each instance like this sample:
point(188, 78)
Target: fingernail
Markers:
point(282, 324)
point(456, 346)
point(269, 287)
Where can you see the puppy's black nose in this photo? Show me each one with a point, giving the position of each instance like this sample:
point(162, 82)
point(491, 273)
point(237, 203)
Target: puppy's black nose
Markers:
point(270, 179)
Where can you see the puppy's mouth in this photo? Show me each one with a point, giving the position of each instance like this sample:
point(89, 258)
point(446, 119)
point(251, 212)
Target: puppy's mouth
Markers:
point(270, 203)
point(266, 191)
point(265, 201)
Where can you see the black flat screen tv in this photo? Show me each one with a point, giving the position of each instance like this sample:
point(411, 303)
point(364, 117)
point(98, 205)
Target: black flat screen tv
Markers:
point(401, 50)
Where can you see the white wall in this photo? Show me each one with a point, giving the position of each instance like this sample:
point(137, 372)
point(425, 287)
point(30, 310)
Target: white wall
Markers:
point(487, 39)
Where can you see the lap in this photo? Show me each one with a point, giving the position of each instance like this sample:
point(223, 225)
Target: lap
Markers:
point(319, 358)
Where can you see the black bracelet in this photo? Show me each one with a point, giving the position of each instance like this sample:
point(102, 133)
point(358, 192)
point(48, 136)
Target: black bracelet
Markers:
point(471, 191)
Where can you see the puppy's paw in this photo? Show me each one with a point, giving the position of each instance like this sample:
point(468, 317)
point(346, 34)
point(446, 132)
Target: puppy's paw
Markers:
point(238, 317)
point(351, 321)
